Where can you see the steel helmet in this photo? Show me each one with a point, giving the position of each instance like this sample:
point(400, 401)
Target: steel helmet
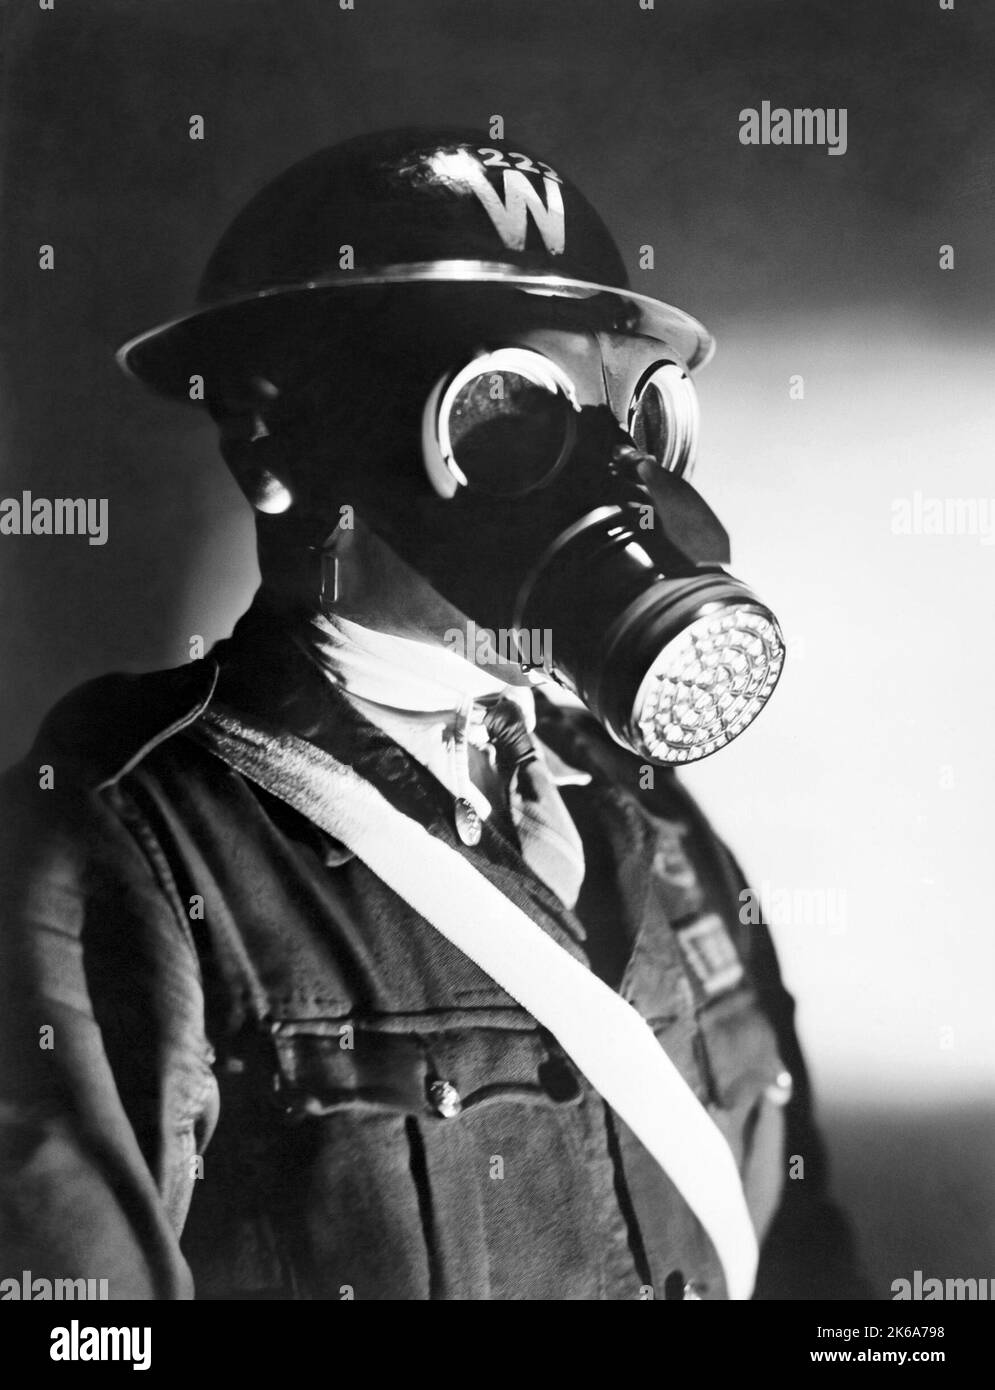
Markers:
point(403, 207)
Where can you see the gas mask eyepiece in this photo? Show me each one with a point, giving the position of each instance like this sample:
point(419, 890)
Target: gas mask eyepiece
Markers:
point(662, 418)
point(501, 426)
point(504, 424)
point(673, 654)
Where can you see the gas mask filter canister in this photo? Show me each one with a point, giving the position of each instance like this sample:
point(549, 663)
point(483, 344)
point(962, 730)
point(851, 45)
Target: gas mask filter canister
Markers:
point(673, 654)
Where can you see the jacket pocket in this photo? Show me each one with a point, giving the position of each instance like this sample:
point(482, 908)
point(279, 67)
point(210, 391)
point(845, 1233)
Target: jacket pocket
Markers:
point(474, 1140)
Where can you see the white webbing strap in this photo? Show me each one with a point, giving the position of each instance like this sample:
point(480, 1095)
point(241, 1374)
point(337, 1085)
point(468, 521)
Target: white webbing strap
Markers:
point(605, 1036)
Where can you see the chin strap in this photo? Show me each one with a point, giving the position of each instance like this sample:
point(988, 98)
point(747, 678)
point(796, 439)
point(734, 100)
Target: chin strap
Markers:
point(610, 1043)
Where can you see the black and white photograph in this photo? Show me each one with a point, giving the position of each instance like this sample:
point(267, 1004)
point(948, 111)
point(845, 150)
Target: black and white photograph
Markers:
point(497, 527)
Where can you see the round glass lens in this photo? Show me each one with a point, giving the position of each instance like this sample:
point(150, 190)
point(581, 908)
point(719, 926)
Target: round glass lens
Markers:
point(649, 423)
point(507, 434)
point(663, 417)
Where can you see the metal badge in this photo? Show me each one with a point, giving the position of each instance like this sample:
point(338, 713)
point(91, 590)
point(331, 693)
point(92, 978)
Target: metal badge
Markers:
point(468, 823)
point(709, 951)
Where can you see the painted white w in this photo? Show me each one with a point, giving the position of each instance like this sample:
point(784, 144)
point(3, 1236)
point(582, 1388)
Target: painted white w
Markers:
point(511, 215)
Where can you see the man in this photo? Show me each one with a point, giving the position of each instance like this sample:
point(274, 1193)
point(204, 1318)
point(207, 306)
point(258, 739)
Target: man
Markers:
point(380, 954)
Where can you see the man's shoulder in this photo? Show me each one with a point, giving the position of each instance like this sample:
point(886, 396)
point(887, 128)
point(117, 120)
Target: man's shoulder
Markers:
point(105, 726)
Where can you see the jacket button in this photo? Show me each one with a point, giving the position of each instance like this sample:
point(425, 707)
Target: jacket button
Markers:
point(675, 1287)
point(445, 1099)
point(780, 1091)
point(557, 1080)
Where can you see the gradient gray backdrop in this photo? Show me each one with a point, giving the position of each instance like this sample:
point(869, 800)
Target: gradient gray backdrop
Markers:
point(866, 786)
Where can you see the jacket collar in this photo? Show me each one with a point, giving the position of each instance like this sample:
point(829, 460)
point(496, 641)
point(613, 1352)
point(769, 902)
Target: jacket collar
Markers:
point(163, 703)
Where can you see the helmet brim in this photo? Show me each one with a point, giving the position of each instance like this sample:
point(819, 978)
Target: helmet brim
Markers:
point(168, 356)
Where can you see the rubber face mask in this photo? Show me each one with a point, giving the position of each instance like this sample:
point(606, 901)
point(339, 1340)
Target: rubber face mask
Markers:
point(598, 432)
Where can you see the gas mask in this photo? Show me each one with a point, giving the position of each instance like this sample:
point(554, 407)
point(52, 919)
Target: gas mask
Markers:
point(583, 443)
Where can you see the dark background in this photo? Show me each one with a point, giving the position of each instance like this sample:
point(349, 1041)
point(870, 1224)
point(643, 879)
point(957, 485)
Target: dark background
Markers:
point(800, 262)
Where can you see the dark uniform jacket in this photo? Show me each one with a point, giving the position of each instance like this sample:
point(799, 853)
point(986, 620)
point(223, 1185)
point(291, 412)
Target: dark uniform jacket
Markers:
point(236, 1065)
